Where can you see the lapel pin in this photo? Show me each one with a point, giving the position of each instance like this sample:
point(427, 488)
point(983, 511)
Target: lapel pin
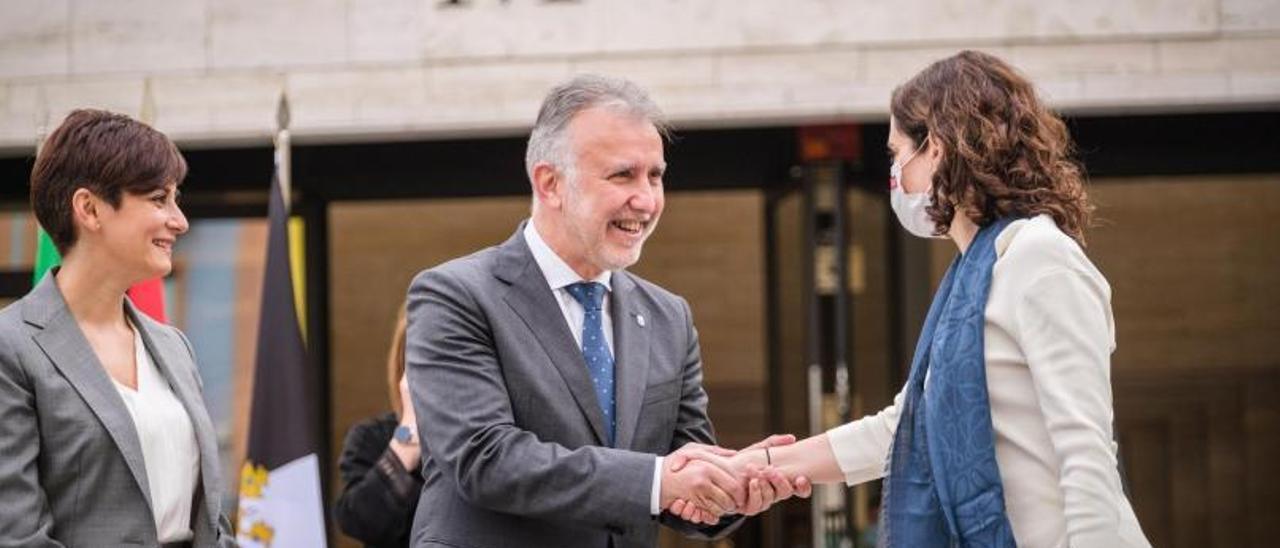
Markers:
point(640, 320)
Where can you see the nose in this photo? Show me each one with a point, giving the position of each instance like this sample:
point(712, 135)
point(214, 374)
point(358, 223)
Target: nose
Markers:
point(178, 220)
point(645, 199)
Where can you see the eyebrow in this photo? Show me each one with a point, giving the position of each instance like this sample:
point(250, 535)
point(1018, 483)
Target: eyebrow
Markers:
point(630, 166)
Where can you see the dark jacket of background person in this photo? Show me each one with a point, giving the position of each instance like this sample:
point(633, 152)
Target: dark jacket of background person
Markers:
point(382, 478)
point(379, 496)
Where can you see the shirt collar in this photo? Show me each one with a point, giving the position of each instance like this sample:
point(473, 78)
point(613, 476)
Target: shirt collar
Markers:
point(557, 272)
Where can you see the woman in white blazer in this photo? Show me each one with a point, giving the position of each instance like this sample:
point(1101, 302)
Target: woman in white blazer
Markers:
point(1003, 434)
point(105, 437)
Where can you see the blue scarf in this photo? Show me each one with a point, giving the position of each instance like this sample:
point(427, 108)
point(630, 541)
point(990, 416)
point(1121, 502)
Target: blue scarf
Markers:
point(943, 486)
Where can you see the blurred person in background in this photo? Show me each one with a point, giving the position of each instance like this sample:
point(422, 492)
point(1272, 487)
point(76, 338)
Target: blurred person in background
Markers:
point(381, 464)
point(105, 437)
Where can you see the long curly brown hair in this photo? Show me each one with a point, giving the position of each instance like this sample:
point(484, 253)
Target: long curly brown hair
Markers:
point(1003, 152)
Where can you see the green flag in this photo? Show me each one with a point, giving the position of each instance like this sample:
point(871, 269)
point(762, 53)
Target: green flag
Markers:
point(46, 256)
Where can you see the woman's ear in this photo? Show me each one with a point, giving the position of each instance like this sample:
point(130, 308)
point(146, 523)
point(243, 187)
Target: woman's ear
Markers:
point(933, 152)
point(86, 209)
point(934, 148)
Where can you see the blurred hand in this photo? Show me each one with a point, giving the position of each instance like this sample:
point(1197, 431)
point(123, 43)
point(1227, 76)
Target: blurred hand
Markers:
point(410, 454)
point(407, 416)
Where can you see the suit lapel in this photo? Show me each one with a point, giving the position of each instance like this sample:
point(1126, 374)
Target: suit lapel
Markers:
point(531, 299)
point(66, 347)
point(167, 353)
point(631, 355)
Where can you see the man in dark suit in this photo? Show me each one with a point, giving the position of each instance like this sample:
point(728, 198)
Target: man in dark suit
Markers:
point(548, 381)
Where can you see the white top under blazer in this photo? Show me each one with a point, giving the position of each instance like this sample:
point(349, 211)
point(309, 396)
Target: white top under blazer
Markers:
point(1049, 336)
point(168, 442)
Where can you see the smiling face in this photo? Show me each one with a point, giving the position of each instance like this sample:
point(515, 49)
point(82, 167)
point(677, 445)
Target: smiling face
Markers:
point(600, 220)
point(138, 236)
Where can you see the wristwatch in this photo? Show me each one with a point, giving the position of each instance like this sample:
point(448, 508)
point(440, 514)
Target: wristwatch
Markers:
point(405, 434)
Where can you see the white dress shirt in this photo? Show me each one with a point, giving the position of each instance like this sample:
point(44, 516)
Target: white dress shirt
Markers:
point(1049, 335)
point(168, 441)
point(560, 275)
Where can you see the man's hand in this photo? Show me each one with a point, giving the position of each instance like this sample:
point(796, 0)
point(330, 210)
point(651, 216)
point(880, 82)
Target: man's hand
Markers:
point(764, 485)
point(705, 479)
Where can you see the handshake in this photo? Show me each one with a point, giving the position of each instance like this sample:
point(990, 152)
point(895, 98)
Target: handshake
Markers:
point(701, 483)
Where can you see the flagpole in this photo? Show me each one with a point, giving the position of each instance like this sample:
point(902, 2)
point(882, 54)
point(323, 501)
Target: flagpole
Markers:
point(147, 114)
point(281, 501)
point(284, 174)
point(41, 115)
point(284, 166)
point(46, 255)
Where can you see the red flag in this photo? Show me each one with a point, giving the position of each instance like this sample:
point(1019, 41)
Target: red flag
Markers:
point(148, 296)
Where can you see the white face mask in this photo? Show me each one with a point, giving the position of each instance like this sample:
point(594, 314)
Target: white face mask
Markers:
point(910, 208)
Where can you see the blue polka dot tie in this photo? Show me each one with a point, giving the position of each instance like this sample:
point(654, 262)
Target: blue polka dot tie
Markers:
point(595, 349)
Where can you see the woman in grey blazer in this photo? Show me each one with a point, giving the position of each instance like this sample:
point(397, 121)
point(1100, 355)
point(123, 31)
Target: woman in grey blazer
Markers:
point(105, 437)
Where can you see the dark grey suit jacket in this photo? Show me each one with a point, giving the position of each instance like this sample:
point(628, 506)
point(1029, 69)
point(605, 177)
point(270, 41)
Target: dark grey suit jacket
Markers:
point(71, 466)
point(506, 408)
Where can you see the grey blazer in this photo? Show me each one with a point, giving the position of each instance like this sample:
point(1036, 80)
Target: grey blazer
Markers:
point(507, 412)
point(71, 470)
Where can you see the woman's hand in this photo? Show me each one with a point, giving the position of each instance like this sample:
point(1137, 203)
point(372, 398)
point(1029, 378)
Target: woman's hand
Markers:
point(410, 454)
point(764, 484)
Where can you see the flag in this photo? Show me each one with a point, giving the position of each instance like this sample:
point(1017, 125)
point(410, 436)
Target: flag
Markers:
point(280, 498)
point(47, 256)
point(147, 296)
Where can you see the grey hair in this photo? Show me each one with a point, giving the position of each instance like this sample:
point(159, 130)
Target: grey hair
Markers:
point(549, 143)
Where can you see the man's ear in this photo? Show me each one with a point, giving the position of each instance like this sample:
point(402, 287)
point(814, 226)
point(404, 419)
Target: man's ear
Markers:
point(86, 209)
point(548, 185)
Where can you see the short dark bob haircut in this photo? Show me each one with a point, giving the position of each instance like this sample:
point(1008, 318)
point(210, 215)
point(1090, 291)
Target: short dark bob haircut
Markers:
point(106, 153)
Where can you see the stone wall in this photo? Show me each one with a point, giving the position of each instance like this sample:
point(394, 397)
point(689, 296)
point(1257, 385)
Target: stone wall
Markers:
point(394, 69)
